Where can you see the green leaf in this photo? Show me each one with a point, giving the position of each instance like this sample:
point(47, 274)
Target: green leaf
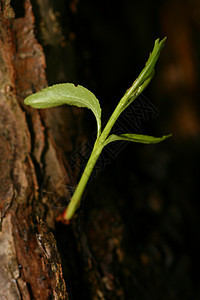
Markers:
point(66, 93)
point(137, 138)
point(149, 68)
point(145, 76)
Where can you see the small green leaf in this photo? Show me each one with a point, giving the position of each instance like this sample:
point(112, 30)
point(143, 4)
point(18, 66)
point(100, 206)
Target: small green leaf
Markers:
point(145, 76)
point(149, 68)
point(66, 93)
point(137, 138)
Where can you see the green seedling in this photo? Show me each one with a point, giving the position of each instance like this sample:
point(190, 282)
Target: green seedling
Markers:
point(68, 93)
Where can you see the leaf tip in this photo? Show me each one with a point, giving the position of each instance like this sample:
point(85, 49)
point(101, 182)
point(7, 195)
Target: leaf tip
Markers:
point(27, 100)
point(167, 136)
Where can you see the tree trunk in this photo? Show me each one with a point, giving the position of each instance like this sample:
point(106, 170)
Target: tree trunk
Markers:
point(30, 266)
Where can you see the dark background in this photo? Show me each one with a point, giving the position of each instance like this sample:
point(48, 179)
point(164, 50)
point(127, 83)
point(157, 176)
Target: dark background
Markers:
point(103, 45)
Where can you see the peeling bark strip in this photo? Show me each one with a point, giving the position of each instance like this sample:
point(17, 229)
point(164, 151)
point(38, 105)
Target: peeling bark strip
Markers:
point(9, 271)
point(30, 266)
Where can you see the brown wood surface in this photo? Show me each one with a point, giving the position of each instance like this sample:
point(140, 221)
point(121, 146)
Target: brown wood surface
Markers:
point(30, 266)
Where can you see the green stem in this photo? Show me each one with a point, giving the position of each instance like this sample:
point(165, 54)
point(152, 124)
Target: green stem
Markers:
point(75, 200)
point(98, 147)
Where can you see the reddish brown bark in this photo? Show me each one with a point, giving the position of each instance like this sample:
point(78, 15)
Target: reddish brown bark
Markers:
point(30, 266)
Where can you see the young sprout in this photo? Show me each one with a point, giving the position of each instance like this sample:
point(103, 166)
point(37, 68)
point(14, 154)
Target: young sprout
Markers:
point(68, 93)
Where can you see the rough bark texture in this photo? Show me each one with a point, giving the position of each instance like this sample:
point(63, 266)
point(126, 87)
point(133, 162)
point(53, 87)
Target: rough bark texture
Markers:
point(30, 266)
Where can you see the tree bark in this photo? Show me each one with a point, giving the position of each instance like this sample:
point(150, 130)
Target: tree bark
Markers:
point(30, 266)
